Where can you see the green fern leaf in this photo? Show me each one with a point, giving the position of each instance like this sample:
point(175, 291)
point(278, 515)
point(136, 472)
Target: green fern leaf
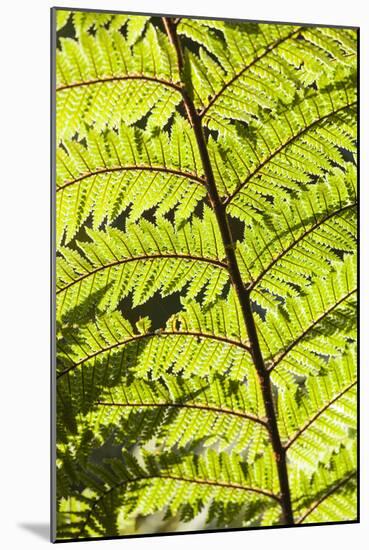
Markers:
point(206, 274)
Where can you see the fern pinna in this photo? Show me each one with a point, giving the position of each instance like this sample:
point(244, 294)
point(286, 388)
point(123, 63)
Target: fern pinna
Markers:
point(206, 274)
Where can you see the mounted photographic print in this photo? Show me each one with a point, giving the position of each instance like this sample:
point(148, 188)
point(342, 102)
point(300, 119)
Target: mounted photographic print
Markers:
point(204, 328)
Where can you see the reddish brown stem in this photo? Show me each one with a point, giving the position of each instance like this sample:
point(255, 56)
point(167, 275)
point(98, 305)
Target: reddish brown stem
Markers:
point(236, 279)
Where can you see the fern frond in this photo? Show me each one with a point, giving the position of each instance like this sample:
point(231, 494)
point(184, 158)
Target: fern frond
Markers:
point(206, 168)
point(103, 351)
point(301, 144)
point(101, 81)
point(232, 87)
point(171, 410)
point(309, 328)
point(173, 482)
point(278, 256)
point(142, 260)
point(263, 73)
point(114, 171)
point(89, 22)
point(319, 415)
point(331, 490)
